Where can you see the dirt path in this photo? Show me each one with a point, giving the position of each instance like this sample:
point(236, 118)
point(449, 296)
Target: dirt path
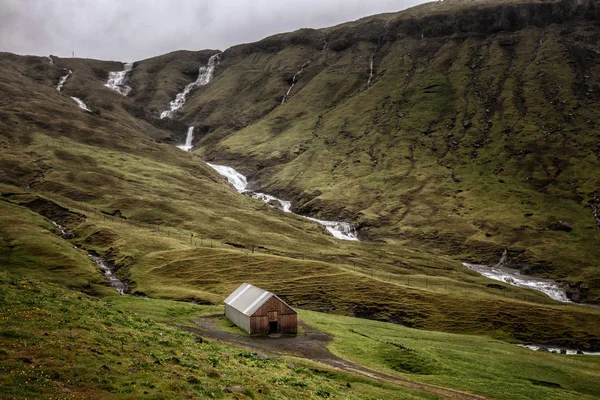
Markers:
point(312, 345)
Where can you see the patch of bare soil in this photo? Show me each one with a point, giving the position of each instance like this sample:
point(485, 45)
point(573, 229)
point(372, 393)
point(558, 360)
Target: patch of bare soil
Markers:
point(312, 345)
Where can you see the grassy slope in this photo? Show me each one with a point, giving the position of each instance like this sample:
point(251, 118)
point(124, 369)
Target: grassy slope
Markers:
point(90, 162)
point(56, 343)
point(475, 364)
point(465, 144)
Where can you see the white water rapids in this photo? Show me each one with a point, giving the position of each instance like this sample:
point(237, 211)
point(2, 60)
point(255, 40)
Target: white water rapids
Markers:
point(340, 230)
point(63, 79)
point(116, 80)
point(514, 277)
point(188, 140)
point(205, 74)
point(557, 350)
point(112, 279)
point(81, 104)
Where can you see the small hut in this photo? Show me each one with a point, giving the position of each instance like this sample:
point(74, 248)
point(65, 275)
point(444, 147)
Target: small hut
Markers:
point(257, 311)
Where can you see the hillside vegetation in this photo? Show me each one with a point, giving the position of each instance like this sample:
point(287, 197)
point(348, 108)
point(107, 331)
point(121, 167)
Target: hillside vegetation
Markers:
point(476, 131)
point(445, 133)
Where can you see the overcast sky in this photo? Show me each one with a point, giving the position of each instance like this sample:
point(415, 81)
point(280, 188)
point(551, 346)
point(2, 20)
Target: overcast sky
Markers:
point(131, 30)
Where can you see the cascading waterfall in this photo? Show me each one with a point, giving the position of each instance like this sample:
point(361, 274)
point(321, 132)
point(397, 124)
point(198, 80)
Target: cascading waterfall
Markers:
point(188, 140)
point(81, 104)
point(63, 79)
point(50, 60)
point(371, 70)
point(294, 80)
point(339, 230)
point(512, 276)
point(377, 48)
point(205, 74)
point(112, 279)
point(116, 80)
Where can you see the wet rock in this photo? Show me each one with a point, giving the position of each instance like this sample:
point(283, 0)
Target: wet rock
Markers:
point(234, 389)
point(563, 351)
point(543, 349)
point(579, 352)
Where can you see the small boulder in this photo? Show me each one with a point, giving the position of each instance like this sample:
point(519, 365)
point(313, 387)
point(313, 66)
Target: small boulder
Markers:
point(233, 389)
point(560, 226)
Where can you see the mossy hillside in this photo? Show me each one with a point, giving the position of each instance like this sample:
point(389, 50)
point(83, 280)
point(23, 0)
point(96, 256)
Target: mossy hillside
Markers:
point(475, 364)
point(59, 343)
point(445, 127)
point(442, 304)
point(171, 265)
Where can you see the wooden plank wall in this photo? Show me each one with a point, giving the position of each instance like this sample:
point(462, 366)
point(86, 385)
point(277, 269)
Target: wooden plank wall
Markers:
point(287, 319)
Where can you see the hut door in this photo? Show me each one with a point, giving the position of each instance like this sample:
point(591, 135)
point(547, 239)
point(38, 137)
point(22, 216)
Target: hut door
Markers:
point(273, 326)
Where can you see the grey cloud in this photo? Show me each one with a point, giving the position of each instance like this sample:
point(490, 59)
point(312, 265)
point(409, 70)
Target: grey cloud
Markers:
point(137, 29)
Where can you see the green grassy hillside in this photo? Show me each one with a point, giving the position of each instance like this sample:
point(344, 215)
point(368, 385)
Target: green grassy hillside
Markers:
point(477, 130)
point(468, 137)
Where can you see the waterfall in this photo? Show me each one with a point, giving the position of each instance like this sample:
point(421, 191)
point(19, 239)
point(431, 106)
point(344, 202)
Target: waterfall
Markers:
point(188, 140)
point(50, 60)
point(371, 70)
point(205, 74)
point(81, 104)
point(239, 181)
point(503, 259)
point(112, 279)
point(63, 79)
point(116, 80)
point(294, 80)
point(339, 230)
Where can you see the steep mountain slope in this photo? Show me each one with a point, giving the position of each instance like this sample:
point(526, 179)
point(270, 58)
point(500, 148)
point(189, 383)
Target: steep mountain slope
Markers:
point(462, 126)
point(405, 150)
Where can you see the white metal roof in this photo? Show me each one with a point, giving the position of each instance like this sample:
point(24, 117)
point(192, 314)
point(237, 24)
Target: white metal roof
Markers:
point(247, 298)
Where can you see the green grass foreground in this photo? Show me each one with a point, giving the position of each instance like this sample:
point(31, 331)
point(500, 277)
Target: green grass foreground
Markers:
point(58, 343)
point(476, 364)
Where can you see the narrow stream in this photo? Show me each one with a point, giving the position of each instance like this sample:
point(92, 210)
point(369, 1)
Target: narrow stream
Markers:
point(112, 279)
point(63, 79)
point(339, 230)
point(81, 104)
point(205, 74)
point(294, 80)
point(558, 350)
point(512, 276)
